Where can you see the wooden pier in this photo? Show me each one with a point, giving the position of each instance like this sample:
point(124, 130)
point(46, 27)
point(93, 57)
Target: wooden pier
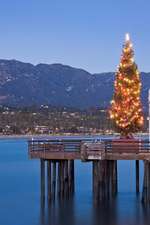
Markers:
point(58, 156)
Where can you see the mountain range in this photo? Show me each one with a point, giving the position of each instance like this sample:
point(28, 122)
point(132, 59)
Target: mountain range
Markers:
point(25, 84)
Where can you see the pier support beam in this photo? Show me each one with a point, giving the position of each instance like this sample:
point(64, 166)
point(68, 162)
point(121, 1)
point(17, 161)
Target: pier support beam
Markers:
point(146, 183)
point(137, 176)
point(49, 180)
point(104, 179)
point(42, 180)
point(114, 177)
point(54, 179)
point(95, 181)
point(71, 176)
point(60, 179)
point(66, 179)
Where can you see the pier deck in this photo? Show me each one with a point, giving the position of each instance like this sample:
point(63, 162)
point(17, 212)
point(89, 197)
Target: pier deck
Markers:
point(89, 149)
point(61, 153)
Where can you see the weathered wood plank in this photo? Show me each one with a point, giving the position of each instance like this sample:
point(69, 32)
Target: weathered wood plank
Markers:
point(55, 155)
point(77, 155)
point(127, 156)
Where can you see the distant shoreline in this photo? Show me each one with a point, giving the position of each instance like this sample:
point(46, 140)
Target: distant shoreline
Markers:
point(45, 136)
point(36, 136)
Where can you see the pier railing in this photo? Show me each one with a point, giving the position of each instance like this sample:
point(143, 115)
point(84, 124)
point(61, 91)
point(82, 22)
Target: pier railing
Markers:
point(127, 146)
point(56, 145)
point(88, 149)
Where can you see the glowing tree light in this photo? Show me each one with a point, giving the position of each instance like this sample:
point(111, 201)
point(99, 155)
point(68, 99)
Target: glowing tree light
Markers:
point(126, 109)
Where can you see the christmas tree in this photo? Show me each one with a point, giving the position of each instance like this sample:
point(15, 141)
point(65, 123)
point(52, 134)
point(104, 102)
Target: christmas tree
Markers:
point(126, 109)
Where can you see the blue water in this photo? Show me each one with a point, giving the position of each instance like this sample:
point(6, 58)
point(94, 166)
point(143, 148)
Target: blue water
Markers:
point(20, 194)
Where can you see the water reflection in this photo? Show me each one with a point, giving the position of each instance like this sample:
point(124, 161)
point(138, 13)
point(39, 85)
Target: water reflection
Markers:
point(115, 212)
point(58, 212)
point(81, 209)
point(42, 212)
point(20, 195)
point(104, 213)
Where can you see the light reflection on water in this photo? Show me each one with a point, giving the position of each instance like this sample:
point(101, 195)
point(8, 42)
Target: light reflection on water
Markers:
point(20, 197)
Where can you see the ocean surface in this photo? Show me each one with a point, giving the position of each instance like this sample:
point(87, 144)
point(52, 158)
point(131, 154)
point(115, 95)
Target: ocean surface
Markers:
point(20, 194)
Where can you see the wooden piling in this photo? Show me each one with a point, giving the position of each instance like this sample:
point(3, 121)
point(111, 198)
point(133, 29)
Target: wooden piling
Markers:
point(42, 180)
point(66, 184)
point(54, 180)
point(137, 176)
point(59, 179)
point(71, 176)
point(101, 177)
point(100, 180)
point(104, 179)
point(62, 179)
point(49, 180)
point(111, 177)
point(114, 176)
point(146, 183)
point(107, 179)
point(96, 180)
point(65, 178)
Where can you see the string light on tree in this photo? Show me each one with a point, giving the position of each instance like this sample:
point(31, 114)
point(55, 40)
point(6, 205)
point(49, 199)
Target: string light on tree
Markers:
point(126, 109)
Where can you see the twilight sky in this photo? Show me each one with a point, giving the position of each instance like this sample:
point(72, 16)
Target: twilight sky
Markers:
point(82, 33)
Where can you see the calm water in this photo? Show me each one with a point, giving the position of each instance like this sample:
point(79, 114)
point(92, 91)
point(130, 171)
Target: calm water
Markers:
point(20, 196)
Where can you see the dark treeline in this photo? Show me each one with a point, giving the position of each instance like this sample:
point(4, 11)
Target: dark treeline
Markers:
point(53, 120)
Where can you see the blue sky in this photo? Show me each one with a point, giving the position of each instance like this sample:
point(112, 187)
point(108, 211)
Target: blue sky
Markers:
point(86, 34)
